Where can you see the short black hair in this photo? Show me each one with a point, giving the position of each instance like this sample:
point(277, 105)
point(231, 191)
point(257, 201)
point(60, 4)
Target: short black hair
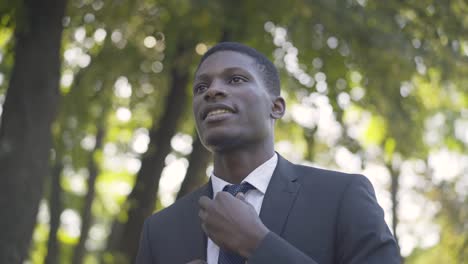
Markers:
point(270, 74)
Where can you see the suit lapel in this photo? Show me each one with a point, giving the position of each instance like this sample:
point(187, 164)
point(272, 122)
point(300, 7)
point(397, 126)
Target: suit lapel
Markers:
point(279, 196)
point(198, 240)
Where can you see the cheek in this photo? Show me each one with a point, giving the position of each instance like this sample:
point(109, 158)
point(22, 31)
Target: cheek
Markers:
point(259, 104)
point(195, 106)
point(258, 111)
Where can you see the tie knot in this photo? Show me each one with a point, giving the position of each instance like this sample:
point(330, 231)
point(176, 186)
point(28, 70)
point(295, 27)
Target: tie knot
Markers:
point(234, 189)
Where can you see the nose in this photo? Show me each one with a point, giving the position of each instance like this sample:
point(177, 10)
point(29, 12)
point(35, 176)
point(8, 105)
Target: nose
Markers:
point(215, 91)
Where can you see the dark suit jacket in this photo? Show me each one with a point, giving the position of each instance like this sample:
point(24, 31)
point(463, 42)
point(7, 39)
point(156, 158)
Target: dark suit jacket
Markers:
point(315, 216)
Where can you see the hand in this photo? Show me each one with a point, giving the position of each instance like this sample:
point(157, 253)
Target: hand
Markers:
point(197, 261)
point(232, 223)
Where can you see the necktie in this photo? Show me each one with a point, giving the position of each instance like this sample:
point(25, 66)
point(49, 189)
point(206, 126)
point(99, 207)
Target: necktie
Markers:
point(226, 257)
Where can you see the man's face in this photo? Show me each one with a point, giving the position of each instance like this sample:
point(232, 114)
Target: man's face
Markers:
point(231, 105)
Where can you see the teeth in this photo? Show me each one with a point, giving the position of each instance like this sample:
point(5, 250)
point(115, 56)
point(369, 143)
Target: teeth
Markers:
point(217, 112)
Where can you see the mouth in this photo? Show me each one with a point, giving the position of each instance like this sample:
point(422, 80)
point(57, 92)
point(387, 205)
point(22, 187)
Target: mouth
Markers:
point(216, 111)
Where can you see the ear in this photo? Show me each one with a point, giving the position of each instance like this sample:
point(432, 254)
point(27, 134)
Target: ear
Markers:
point(279, 108)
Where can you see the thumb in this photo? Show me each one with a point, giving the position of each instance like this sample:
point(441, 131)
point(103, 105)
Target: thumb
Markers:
point(241, 197)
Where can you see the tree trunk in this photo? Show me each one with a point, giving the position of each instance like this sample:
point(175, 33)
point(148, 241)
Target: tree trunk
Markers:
point(86, 214)
point(394, 188)
point(394, 196)
point(141, 201)
point(55, 204)
point(196, 171)
point(309, 136)
point(29, 110)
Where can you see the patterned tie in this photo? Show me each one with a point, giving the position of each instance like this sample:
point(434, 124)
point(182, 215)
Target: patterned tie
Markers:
point(226, 257)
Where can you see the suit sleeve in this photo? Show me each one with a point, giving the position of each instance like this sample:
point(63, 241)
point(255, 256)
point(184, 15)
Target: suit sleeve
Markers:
point(274, 249)
point(144, 251)
point(362, 234)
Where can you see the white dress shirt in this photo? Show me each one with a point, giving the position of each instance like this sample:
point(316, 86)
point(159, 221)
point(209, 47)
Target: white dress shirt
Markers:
point(259, 178)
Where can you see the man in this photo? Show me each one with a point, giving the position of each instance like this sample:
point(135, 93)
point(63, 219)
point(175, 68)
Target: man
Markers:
point(258, 207)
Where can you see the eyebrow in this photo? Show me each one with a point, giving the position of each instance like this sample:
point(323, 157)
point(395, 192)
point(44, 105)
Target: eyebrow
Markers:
point(205, 76)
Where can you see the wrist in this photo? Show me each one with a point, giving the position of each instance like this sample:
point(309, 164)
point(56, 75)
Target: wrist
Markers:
point(255, 240)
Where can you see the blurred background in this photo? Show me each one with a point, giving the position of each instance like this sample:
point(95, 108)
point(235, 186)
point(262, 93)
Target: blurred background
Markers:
point(97, 133)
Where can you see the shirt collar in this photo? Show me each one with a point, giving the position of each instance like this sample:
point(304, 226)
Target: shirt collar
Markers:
point(259, 178)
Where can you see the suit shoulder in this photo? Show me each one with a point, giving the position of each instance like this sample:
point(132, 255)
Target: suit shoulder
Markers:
point(314, 175)
point(180, 209)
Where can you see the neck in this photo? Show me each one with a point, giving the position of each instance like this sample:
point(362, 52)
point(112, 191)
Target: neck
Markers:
point(234, 165)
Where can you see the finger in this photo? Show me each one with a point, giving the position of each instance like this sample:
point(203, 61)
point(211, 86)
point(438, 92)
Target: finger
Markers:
point(205, 202)
point(222, 195)
point(203, 226)
point(202, 214)
point(241, 197)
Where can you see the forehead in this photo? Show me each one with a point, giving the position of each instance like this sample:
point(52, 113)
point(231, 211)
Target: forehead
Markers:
point(221, 60)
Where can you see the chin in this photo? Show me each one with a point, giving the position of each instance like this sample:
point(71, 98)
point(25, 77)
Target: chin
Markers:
point(219, 143)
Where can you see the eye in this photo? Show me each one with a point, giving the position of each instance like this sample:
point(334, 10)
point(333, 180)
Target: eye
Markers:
point(201, 87)
point(237, 79)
